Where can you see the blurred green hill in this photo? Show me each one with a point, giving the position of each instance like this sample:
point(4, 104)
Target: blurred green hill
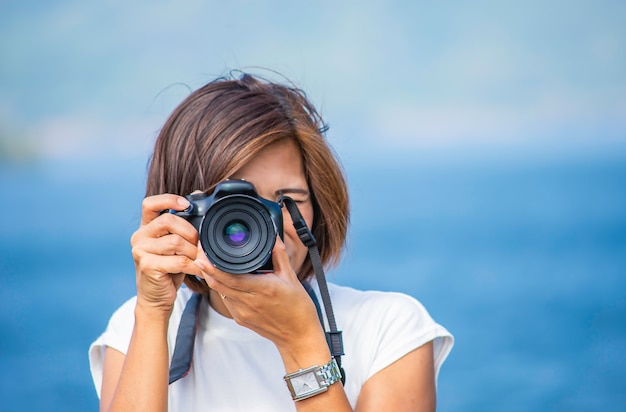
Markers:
point(16, 146)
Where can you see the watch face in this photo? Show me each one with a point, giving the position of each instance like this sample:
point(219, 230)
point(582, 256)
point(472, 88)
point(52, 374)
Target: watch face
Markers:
point(305, 383)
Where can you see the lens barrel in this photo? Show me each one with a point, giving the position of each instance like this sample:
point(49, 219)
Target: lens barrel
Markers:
point(238, 234)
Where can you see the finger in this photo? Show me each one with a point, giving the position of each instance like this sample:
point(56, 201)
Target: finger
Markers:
point(225, 283)
point(213, 283)
point(240, 282)
point(171, 244)
point(280, 258)
point(212, 270)
point(151, 263)
point(153, 206)
point(168, 223)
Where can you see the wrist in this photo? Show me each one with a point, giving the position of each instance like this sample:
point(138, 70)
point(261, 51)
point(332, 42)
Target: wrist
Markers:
point(307, 350)
point(306, 383)
point(151, 314)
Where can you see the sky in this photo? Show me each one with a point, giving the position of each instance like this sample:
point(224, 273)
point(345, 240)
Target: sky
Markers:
point(97, 79)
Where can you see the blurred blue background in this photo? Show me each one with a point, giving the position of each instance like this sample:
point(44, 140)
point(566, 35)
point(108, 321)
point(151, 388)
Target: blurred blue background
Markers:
point(484, 142)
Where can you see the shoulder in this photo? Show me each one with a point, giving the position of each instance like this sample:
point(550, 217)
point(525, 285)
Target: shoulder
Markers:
point(119, 331)
point(376, 304)
point(384, 326)
point(121, 324)
point(385, 316)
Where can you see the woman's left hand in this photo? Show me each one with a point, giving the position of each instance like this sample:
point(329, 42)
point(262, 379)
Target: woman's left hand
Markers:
point(275, 304)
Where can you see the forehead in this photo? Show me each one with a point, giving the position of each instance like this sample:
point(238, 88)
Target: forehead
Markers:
point(277, 166)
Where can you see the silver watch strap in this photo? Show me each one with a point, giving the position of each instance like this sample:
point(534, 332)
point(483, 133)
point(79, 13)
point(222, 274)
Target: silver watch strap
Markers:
point(330, 372)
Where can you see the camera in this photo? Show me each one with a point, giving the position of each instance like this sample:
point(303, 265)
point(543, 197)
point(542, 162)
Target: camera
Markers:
point(237, 227)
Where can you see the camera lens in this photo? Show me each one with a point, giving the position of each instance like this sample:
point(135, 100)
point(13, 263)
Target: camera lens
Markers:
point(236, 234)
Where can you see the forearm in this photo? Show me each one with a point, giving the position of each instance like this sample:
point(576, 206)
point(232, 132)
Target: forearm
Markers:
point(143, 381)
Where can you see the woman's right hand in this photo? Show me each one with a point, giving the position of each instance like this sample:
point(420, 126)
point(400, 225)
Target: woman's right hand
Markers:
point(164, 249)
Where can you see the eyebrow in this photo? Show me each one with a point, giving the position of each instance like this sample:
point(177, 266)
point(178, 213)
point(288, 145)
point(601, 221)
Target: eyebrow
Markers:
point(291, 190)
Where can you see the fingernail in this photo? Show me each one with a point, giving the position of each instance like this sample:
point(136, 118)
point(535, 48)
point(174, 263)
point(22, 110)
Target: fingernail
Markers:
point(183, 202)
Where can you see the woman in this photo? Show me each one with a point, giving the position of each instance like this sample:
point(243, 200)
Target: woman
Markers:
point(254, 331)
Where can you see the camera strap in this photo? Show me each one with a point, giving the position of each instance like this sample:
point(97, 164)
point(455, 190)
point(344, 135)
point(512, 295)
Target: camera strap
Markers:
point(185, 339)
point(334, 336)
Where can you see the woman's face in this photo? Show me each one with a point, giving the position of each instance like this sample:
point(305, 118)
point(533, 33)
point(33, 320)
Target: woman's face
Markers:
point(277, 170)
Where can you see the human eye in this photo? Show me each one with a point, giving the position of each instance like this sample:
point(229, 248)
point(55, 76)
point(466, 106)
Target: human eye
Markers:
point(300, 201)
point(298, 196)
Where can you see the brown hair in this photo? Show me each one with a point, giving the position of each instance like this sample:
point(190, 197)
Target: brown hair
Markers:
point(222, 125)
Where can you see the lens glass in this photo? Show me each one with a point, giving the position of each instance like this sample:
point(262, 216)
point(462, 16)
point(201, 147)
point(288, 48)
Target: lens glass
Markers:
point(236, 234)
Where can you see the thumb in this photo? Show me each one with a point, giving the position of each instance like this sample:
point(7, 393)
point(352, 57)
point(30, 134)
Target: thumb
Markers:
point(280, 259)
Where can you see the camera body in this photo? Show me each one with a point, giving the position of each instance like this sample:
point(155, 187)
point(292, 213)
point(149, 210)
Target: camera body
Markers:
point(237, 227)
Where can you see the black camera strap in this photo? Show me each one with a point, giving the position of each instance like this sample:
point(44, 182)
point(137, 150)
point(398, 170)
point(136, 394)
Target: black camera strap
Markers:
point(186, 334)
point(334, 336)
point(185, 339)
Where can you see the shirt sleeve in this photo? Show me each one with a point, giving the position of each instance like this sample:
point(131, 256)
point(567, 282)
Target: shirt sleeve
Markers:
point(403, 325)
point(120, 329)
point(117, 336)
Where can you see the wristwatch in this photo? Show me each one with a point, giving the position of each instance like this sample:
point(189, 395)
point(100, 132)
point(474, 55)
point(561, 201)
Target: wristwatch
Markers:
point(312, 381)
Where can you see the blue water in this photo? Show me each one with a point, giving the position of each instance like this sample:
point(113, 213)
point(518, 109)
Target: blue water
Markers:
point(524, 261)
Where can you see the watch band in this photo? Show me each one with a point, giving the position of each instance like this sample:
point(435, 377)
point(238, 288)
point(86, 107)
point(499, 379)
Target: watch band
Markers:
point(331, 372)
point(312, 381)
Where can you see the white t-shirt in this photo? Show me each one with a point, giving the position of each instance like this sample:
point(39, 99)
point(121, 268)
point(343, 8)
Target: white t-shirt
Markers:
point(235, 369)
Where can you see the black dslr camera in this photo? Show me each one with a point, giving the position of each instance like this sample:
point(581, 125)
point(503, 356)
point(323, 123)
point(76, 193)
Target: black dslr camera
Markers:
point(237, 227)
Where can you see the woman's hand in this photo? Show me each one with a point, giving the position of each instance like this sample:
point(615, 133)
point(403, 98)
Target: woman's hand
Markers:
point(164, 249)
point(275, 305)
